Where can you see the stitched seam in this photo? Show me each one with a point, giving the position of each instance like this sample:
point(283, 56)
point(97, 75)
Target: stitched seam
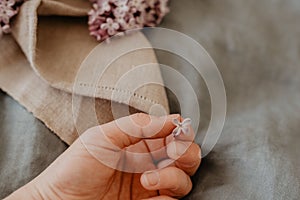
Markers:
point(108, 88)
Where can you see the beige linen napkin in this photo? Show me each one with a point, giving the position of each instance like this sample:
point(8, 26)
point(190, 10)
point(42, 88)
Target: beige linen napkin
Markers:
point(40, 68)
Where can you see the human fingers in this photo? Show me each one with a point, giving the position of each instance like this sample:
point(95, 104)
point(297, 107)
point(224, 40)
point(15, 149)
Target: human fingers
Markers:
point(189, 137)
point(132, 129)
point(170, 181)
point(186, 155)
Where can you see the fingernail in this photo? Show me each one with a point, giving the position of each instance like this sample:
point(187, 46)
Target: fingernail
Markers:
point(174, 116)
point(200, 154)
point(180, 148)
point(151, 178)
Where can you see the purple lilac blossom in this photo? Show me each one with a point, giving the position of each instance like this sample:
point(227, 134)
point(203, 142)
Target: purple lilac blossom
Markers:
point(8, 9)
point(111, 17)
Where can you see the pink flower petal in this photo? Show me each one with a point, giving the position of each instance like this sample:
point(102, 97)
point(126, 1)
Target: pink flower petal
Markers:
point(185, 130)
point(176, 122)
point(186, 122)
point(176, 131)
point(115, 26)
point(111, 32)
point(104, 26)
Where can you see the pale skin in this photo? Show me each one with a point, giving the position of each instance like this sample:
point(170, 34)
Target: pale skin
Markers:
point(91, 168)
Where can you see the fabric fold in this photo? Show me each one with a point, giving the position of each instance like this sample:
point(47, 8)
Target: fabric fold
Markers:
point(54, 60)
point(56, 46)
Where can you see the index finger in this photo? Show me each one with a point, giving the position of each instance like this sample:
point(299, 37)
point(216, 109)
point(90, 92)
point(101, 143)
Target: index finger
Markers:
point(132, 129)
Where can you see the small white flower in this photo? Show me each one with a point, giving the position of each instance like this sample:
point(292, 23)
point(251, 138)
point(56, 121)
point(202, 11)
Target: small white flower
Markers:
point(110, 26)
point(97, 35)
point(95, 13)
point(183, 127)
point(105, 6)
point(120, 20)
point(6, 10)
point(121, 8)
point(120, 11)
point(7, 3)
point(122, 4)
point(132, 24)
point(119, 2)
point(110, 17)
point(5, 28)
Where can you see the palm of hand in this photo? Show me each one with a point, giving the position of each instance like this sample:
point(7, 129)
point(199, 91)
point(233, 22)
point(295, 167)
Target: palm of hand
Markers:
point(83, 172)
point(87, 178)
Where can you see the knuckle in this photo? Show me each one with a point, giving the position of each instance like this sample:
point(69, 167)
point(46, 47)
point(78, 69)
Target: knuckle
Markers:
point(140, 116)
point(141, 120)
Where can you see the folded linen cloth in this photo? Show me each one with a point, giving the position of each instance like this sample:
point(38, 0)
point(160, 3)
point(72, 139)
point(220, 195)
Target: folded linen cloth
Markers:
point(41, 67)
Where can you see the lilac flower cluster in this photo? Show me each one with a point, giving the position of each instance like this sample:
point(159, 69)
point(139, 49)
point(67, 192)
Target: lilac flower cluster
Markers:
point(111, 17)
point(8, 9)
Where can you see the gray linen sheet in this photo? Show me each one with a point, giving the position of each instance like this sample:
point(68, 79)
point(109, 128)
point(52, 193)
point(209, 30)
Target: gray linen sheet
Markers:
point(256, 46)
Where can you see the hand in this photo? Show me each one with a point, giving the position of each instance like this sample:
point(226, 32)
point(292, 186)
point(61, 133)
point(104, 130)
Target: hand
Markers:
point(107, 163)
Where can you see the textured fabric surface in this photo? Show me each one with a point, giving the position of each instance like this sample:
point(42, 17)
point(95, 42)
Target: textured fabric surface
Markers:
point(256, 47)
point(57, 46)
point(63, 113)
point(53, 57)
